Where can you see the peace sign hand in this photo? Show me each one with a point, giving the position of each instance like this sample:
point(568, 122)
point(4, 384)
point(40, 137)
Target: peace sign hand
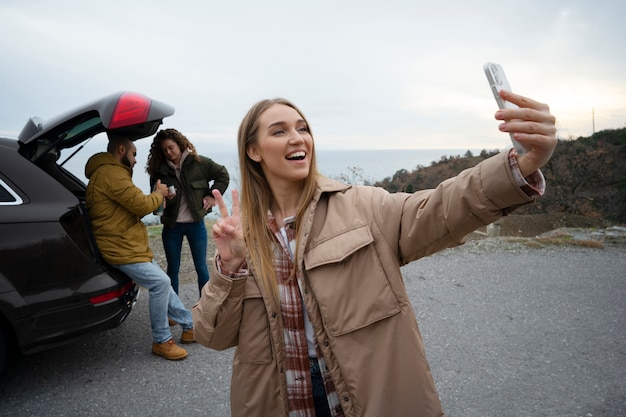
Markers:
point(228, 234)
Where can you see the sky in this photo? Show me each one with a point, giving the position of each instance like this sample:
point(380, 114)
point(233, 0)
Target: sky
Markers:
point(384, 74)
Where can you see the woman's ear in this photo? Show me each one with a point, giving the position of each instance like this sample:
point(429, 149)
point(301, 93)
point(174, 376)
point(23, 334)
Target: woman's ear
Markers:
point(253, 154)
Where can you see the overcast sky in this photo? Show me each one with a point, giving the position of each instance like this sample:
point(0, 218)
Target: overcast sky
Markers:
point(367, 74)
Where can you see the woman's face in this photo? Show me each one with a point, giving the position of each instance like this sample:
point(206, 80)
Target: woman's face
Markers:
point(283, 146)
point(171, 150)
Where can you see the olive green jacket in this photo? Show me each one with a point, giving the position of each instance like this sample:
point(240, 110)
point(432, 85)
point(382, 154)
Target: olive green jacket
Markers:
point(116, 206)
point(194, 183)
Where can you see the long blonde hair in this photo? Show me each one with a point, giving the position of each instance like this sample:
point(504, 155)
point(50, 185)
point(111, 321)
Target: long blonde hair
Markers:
point(256, 198)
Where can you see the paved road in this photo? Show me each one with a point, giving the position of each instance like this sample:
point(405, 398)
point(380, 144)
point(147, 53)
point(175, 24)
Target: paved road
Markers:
point(508, 333)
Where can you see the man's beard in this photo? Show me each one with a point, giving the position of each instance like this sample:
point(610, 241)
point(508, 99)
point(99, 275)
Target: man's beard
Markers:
point(126, 162)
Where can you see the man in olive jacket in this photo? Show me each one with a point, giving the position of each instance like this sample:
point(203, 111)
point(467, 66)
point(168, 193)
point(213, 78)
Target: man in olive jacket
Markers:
point(115, 206)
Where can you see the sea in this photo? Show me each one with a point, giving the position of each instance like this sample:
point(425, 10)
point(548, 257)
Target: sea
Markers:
point(355, 166)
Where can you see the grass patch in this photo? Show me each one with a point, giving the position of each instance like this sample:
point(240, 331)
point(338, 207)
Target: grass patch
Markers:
point(154, 230)
point(562, 240)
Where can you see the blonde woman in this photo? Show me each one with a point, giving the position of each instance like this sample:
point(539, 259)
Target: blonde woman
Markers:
point(307, 282)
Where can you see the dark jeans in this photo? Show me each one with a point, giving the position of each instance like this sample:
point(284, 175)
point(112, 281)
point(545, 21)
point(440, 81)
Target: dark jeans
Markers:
point(319, 393)
point(172, 237)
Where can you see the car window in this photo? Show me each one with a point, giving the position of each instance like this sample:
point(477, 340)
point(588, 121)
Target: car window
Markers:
point(8, 197)
point(64, 136)
point(79, 129)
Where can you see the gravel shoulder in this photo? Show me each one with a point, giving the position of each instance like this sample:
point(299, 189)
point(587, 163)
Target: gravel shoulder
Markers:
point(512, 330)
point(525, 324)
point(513, 327)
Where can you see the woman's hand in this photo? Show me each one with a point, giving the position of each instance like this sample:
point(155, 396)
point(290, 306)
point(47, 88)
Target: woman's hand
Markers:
point(228, 234)
point(532, 126)
point(208, 202)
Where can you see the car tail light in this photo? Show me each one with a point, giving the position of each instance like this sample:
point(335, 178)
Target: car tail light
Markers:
point(131, 109)
point(103, 298)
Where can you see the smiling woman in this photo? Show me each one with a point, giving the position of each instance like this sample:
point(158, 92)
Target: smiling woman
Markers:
point(307, 280)
point(284, 153)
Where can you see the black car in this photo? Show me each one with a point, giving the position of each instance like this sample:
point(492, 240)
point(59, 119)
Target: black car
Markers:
point(54, 285)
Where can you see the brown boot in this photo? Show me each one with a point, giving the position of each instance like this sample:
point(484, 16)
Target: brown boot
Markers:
point(186, 337)
point(169, 350)
point(171, 322)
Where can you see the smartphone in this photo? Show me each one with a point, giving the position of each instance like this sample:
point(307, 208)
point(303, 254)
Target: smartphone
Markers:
point(498, 81)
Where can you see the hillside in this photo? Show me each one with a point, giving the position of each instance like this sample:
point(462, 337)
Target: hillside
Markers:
point(585, 177)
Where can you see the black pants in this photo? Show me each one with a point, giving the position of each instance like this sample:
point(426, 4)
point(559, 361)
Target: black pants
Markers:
point(319, 393)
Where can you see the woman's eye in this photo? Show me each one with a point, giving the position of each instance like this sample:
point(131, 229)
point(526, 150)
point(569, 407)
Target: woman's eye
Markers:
point(303, 129)
point(277, 132)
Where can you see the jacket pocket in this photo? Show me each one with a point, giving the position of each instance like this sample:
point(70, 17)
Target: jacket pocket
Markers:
point(254, 333)
point(349, 281)
point(200, 189)
point(199, 185)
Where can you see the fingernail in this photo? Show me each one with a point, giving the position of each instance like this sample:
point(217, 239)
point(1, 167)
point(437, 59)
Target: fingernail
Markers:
point(499, 114)
point(502, 127)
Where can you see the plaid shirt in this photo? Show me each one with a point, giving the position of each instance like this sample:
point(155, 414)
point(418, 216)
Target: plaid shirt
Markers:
point(297, 372)
point(534, 184)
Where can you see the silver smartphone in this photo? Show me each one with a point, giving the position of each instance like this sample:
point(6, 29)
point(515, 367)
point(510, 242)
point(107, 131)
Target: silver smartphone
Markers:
point(498, 81)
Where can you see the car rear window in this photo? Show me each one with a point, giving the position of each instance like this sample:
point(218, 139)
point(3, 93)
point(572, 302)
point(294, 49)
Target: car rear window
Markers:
point(8, 197)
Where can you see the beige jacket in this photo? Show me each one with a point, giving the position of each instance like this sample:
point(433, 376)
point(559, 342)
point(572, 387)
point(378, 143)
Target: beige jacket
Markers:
point(355, 240)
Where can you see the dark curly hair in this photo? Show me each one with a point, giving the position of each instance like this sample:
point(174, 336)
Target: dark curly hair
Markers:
point(156, 157)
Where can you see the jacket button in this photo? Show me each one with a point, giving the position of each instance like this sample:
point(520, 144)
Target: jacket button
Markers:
point(273, 315)
point(326, 343)
point(345, 399)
